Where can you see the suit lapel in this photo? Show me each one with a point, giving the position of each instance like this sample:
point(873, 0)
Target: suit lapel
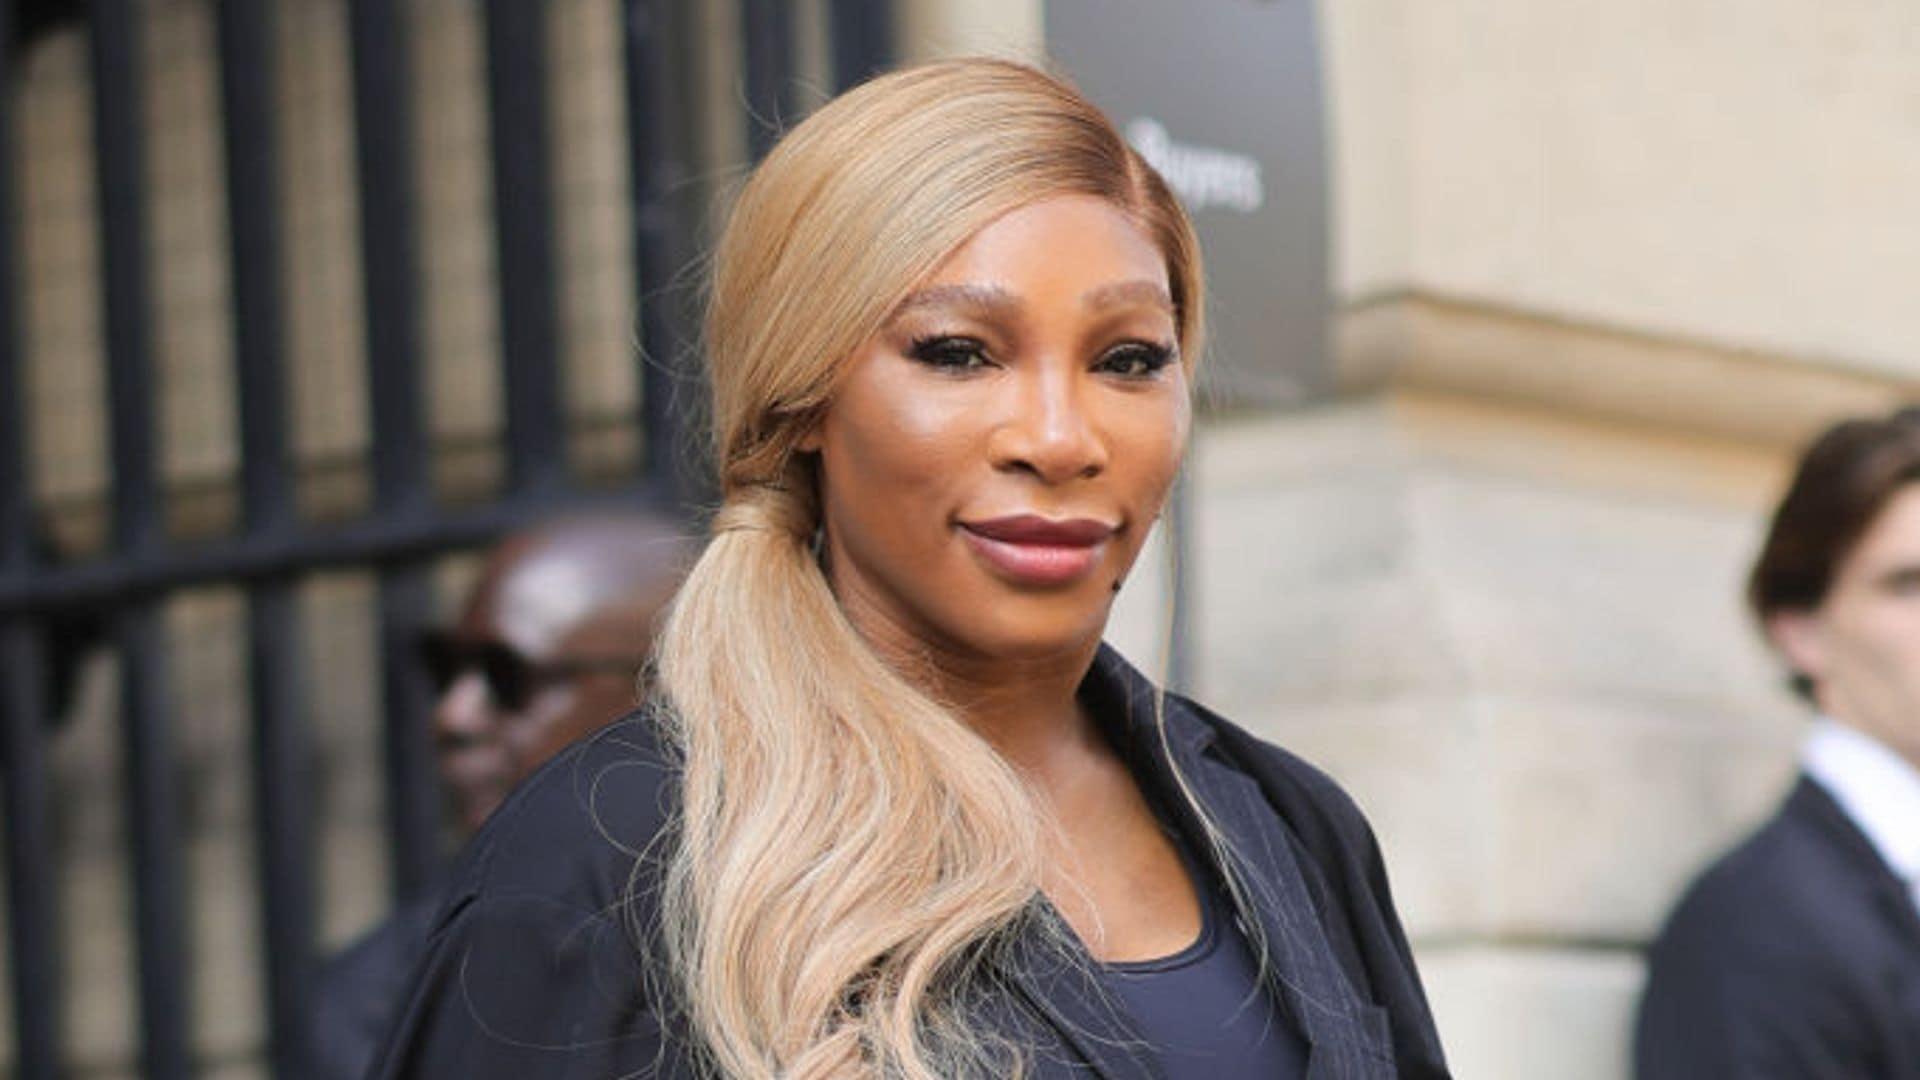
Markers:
point(1057, 977)
point(1892, 902)
point(1346, 1036)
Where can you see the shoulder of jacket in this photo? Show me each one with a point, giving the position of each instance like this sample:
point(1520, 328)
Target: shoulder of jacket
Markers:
point(1300, 789)
point(579, 826)
point(1783, 892)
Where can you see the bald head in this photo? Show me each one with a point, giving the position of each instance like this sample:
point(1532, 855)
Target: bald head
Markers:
point(541, 587)
point(549, 646)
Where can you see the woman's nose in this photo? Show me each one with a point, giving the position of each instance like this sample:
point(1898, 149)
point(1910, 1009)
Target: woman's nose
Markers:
point(1050, 431)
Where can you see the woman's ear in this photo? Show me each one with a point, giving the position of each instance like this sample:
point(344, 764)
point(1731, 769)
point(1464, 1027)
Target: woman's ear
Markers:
point(1800, 635)
point(810, 436)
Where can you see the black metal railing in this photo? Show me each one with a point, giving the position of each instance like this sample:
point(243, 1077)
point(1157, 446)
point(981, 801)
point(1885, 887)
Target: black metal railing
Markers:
point(274, 550)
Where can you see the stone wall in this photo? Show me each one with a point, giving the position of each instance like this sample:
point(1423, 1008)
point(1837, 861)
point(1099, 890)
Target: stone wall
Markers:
point(1601, 268)
point(1516, 640)
point(1662, 165)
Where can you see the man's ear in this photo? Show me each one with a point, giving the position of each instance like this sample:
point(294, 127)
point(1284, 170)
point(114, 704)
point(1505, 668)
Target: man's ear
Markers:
point(1800, 635)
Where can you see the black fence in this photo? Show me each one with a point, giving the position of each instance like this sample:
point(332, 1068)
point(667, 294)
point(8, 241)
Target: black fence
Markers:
point(275, 549)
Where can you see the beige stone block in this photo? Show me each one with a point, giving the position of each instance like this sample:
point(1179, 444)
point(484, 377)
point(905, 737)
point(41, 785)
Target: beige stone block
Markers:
point(1368, 74)
point(1251, 452)
point(1306, 567)
point(934, 28)
point(1649, 164)
point(1415, 766)
point(1548, 588)
point(1602, 808)
point(102, 1007)
point(1672, 389)
point(229, 992)
point(1520, 1013)
point(1331, 605)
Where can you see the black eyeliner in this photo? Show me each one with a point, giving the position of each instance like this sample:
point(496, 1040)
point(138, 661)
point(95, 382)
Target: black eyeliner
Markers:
point(947, 352)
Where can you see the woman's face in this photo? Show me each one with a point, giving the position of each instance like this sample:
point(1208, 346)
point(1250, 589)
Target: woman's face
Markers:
point(995, 455)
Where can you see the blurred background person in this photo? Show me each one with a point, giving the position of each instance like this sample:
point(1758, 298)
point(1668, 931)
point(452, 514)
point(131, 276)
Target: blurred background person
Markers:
point(1798, 953)
point(548, 648)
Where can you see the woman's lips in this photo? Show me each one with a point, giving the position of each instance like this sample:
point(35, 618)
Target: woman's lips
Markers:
point(1032, 550)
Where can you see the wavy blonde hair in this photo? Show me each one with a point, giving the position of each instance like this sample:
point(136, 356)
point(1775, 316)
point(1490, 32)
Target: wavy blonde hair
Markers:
point(847, 847)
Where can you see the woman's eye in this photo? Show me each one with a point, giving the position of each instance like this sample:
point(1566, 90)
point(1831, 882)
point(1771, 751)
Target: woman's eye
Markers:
point(1136, 359)
point(957, 354)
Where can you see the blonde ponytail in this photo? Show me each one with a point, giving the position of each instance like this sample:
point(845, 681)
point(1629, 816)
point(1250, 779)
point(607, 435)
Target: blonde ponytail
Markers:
point(842, 838)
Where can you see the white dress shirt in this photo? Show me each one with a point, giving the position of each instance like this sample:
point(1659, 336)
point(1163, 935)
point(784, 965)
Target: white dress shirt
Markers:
point(1878, 789)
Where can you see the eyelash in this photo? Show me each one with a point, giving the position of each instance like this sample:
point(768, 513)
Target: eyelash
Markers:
point(1151, 356)
point(949, 353)
point(959, 355)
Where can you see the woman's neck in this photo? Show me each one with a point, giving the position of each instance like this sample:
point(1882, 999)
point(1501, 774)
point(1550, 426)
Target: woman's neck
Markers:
point(1028, 709)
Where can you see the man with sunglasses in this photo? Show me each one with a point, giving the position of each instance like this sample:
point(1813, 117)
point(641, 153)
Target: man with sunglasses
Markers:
point(548, 648)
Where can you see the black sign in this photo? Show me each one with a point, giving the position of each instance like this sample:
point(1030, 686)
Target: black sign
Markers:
point(1224, 98)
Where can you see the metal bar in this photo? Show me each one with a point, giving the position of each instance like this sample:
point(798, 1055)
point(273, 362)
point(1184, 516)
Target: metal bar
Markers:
point(373, 541)
point(248, 93)
point(283, 838)
point(119, 140)
point(159, 916)
point(152, 804)
point(282, 758)
point(413, 787)
point(382, 105)
point(382, 97)
point(524, 231)
point(33, 903)
point(862, 36)
point(766, 30)
point(660, 151)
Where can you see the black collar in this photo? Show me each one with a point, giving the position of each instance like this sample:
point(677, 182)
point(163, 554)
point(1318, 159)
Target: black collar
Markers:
point(1347, 1037)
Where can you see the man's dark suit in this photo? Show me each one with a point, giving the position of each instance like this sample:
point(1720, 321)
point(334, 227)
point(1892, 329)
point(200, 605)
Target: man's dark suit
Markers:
point(1796, 955)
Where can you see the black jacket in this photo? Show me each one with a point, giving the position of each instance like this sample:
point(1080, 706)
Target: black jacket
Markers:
point(1797, 955)
point(531, 970)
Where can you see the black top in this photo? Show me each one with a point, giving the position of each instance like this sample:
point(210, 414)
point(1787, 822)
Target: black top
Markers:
point(1203, 1009)
point(1796, 955)
point(532, 968)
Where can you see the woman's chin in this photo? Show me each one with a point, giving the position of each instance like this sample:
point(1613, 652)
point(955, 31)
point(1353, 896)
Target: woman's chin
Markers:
point(1039, 632)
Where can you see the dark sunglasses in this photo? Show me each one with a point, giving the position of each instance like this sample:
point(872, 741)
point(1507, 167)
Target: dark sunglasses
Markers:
point(511, 678)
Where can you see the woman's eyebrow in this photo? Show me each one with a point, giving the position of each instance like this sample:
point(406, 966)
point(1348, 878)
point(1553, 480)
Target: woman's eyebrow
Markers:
point(1128, 292)
point(985, 299)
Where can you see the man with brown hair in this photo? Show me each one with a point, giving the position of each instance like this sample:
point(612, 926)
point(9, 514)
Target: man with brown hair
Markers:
point(1798, 953)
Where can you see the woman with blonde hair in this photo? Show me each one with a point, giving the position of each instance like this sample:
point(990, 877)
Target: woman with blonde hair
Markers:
point(893, 810)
